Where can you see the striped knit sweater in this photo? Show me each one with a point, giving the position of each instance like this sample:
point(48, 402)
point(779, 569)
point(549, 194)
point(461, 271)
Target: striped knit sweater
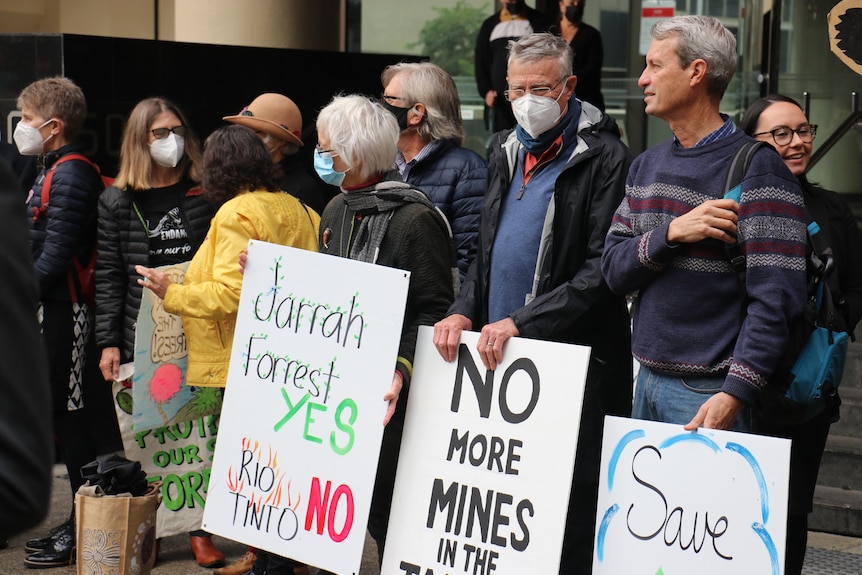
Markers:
point(688, 313)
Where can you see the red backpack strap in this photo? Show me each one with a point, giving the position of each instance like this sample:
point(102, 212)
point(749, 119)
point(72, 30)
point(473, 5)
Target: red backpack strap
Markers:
point(46, 183)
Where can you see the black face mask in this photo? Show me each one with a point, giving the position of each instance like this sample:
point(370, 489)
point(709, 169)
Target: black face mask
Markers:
point(399, 113)
point(574, 14)
point(515, 7)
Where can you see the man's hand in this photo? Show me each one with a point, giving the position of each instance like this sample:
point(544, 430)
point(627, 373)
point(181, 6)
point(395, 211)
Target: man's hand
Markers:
point(447, 335)
point(109, 364)
point(711, 219)
point(718, 412)
point(490, 98)
point(392, 396)
point(242, 260)
point(491, 341)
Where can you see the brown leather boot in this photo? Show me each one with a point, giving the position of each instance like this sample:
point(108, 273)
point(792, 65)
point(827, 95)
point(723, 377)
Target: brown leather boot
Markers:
point(242, 565)
point(206, 554)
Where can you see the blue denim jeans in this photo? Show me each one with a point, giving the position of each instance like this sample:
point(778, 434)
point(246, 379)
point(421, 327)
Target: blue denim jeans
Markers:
point(673, 399)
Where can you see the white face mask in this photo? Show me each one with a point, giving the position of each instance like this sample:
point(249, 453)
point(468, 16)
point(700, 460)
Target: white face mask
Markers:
point(28, 139)
point(168, 151)
point(537, 114)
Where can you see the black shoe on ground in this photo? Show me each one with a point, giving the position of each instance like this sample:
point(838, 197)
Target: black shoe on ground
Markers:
point(36, 545)
point(61, 552)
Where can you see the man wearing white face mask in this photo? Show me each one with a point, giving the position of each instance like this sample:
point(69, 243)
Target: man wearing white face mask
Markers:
point(52, 115)
point(553, 185)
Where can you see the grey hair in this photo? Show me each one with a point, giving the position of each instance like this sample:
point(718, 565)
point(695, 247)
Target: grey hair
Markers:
point(286, 148)
point(535, 47)
point(432, 86)
point(706, 38)
point(362, 132)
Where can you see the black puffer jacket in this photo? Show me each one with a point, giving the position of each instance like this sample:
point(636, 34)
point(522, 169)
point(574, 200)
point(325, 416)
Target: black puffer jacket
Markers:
point(68, 227)
point(571, 302)
point(123, 244)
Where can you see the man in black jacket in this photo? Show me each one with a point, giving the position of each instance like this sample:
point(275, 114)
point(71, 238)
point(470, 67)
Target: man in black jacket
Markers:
point(553, 185)
point(514, 20)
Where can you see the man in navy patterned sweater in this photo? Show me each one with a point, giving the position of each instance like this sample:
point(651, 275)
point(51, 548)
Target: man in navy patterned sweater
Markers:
point(703, 357)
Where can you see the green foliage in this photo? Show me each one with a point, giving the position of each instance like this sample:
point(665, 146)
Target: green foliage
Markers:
point(450, 38)
point(206, 400)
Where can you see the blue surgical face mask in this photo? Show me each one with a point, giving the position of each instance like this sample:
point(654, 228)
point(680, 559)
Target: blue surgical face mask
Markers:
point(323, 165)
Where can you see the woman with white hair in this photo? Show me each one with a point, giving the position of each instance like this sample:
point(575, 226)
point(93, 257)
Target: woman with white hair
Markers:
point(387, 223)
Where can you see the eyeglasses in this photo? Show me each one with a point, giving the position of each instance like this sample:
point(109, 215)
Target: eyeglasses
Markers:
point(782, 135)
point(330, 151)
point(516, 93)
point(387, 99)
point(160, 133)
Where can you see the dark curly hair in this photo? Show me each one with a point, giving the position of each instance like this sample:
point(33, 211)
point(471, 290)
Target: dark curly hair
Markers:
point(236, 160)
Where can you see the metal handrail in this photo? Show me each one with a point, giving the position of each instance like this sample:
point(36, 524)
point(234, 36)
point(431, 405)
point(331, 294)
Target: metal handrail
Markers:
point(854, 118)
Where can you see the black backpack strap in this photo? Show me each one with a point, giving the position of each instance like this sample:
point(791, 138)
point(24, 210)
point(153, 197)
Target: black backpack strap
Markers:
point(736, 171)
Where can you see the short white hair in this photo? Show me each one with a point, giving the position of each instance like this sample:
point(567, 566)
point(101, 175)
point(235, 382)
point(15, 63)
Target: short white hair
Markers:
point(361, 132)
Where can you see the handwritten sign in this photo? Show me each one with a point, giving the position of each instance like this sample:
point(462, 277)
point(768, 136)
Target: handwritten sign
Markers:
point(179, 455)
point(159, 391)
point(706, 502)
point(486, 460)
point(314, 352)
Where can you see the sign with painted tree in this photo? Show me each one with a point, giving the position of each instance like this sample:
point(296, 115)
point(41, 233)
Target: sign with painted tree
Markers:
point(314, 352)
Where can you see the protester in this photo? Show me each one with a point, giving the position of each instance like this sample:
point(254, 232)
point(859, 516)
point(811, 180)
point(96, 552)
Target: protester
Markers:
point(430, 157)
point(240, 178)
point(278, 122)
point(514, 20)
point(52, 116)
point(26, 442)
point(553, 184)
point(154, 215)
point(700, 364)
point(587, 49)
point(387, 223)
point(780, 121)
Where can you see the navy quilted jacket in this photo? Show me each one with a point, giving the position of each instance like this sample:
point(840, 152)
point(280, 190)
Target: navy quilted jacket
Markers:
point(454, 179)
point(68, 227)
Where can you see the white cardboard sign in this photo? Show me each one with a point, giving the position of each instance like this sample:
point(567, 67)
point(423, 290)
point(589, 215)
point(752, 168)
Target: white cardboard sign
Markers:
point(313, 354)
point(486, 460)
point(674, 502)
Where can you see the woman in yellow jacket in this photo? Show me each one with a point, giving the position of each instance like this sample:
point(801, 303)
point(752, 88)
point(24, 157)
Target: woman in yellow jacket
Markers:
point(239, 176)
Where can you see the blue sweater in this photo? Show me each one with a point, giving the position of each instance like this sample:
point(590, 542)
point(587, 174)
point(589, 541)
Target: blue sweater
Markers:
point(688, 313)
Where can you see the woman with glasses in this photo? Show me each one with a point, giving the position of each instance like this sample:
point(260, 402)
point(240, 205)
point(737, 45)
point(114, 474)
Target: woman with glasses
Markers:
point(153, 215)
point(385, 222)
point(780, 121)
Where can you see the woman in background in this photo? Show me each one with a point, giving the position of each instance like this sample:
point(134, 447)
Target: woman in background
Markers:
point(240, 178)
point(154, 215)
point(780, 122)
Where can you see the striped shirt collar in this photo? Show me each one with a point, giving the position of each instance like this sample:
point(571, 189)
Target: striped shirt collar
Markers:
point(404, 166)
point(726, 129)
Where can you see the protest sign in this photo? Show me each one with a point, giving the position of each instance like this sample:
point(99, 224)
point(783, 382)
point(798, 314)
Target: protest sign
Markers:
point(313, 354)
point(179, 455)
point(159, 391)
point(167, 426)
point(673, 501)
point(486, 460)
